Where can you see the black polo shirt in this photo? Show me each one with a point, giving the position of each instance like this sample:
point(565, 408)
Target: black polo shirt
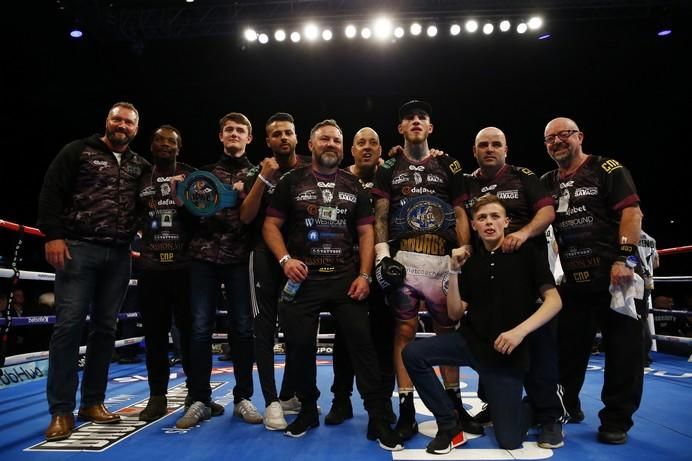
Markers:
point(501, 290)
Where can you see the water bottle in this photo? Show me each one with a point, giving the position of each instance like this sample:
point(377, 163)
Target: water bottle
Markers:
point(289, 291)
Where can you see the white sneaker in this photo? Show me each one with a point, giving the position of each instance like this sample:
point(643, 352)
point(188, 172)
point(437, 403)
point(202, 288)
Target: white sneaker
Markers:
point(246, 410)
point(291, 406)
point(196, 413)
point(274, 417)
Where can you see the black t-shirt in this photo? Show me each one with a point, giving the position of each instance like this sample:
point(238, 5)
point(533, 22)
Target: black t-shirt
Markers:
point(501, 290)
point(520, 190)
point(422, 196)
point(587, 219)
point(321, 214)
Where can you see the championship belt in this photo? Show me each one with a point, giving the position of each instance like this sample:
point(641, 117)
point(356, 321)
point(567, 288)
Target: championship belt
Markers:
point(425, 214)
point(203, 194)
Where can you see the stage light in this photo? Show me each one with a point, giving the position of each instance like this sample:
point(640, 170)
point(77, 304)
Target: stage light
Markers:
point(431, 31)
point(350, 31)
point(535, 23)
point(544, 37)
point(76, 33)
point(366, 33)
point(488, 28)
point(327, 35)
point(311, 32)
point(263, 38)
point(416, 29)
point(295, 37)
point(455, 29)
point(522, 28)
point(280, 35)
point(250, 35)
point(383, 28)
point(505, 26)
point(471, 26)
point(398, 32)
point(663, 21)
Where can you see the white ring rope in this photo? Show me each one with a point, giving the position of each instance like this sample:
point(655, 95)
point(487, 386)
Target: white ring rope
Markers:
point(34, 356)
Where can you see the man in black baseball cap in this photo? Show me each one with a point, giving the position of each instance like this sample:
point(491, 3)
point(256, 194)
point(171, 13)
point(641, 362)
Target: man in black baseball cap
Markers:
point(415, 106)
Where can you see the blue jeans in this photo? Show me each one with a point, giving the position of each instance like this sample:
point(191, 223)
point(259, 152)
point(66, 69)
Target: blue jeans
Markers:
point(93, 282)
point(503, 386)
point(205, 280)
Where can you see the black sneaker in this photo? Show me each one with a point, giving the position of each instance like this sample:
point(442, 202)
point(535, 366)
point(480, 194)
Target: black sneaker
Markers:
point(157, 406)
point(612, 436)
point(302, 424)
point(407, 426)
point(551, 436)
point(216, 409)
point(378, 429)
point(575, 416)
point(446, 440)
point(463, 417)
point(341, 411)
point(483, 417)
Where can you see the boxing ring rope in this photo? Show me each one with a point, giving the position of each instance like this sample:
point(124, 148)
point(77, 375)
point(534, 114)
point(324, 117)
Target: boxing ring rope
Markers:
point(50, 319)
point(675, 250)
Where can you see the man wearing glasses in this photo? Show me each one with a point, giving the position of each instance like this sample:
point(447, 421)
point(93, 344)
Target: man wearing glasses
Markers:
point(597, 225)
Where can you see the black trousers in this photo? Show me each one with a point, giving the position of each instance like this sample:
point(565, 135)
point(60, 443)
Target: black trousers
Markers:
point(163, 295)
point(581, 316)
point(300, 320)
point(382, 331)
point(541, 382)
point(266, 282)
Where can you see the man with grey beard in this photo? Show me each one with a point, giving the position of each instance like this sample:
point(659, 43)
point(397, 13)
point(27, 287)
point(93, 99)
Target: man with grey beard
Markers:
point(324, 212)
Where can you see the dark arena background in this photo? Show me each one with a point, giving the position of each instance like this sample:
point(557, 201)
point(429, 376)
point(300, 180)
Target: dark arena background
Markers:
point(605, 64)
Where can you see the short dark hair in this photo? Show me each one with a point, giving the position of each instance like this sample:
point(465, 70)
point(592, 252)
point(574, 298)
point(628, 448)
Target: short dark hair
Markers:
point(168, 127)
point(127, 105)
point(486, 199)
point(280, 117)
point(326, 122)
point(236, 117)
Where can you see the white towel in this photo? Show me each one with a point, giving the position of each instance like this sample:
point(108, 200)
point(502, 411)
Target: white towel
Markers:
point(622, 300)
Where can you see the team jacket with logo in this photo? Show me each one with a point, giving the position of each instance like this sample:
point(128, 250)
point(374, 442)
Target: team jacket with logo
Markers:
point(587, 221)
point(88, 196)
point(422, 197)
point(321, 216)
point(223, 238)
point(165, 227)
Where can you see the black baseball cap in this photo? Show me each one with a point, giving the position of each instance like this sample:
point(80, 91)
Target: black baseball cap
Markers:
point(413, 106)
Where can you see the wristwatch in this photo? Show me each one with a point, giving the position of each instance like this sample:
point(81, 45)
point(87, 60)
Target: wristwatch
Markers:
point(365, 276)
